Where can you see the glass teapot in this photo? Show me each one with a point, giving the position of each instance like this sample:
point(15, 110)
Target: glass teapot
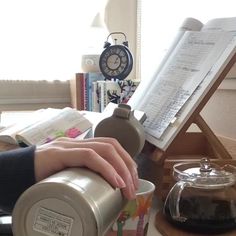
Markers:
point(204, 198)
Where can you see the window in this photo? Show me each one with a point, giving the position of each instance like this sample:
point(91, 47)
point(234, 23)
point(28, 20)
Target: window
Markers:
point(41, 44)
point(160, 21)
point(42, 41)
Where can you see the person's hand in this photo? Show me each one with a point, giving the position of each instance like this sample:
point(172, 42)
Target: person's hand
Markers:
point(102, 155)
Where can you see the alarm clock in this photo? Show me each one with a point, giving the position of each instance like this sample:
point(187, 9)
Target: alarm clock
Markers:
point(116, 61)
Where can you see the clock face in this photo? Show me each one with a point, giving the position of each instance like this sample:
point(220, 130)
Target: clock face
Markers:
point(116, 62)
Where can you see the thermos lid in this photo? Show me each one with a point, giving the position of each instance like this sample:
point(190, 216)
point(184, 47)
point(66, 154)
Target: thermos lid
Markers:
point(123, 126)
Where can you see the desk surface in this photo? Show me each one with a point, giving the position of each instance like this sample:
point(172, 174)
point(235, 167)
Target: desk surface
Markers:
point(6, 146)
point(152, 230)
point(230, 145)
point(166, 229)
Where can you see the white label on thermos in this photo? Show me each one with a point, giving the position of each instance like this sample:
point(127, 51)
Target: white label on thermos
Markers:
point(52, 223)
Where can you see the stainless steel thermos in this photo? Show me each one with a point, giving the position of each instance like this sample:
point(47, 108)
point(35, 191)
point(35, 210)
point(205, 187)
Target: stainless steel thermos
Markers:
point(74, 202)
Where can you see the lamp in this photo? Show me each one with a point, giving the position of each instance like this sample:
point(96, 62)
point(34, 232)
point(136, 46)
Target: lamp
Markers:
point(94, 44)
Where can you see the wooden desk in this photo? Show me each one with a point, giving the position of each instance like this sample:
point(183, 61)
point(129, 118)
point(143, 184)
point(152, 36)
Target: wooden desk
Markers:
point(166, 229)
point(158, 226)
point(230, 144)
point(6, 146)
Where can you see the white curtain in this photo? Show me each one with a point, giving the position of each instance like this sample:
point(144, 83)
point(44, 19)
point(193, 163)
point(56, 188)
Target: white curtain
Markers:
point(43, 39)
point(160, 21)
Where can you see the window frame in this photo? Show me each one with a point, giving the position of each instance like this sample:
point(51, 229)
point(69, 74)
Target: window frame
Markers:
point(16, 95)
point(20, 95)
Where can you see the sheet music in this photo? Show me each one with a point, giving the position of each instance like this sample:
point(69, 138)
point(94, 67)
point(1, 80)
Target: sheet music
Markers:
point(190, 62)
point(189, 24)
point(225, 24)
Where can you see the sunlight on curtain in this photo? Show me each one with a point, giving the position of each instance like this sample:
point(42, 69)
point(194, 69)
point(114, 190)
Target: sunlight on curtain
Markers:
point(160, 21)
point(44, 39)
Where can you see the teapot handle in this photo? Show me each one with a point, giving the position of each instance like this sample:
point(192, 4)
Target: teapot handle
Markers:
point(173, 200)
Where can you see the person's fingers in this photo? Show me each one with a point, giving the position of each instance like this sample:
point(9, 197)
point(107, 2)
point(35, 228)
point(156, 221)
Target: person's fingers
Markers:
point(56, 159)
point(109, 153)
point(129, 162)
point(126, 157)
point(92, 160)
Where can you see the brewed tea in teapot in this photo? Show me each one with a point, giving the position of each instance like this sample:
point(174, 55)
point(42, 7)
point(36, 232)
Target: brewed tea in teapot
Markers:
point(204, 198)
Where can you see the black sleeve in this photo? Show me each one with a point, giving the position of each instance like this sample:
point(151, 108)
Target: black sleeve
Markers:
point(16, 175)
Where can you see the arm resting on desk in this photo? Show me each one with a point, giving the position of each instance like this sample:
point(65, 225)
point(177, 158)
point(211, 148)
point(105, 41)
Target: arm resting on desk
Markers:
point(16, 175)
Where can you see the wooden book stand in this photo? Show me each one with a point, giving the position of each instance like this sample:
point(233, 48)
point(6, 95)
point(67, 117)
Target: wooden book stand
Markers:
point(195, 118)
point(187, 145)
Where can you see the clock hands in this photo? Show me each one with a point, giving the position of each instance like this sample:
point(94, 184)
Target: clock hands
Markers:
point(113, 61)
point(117, 60)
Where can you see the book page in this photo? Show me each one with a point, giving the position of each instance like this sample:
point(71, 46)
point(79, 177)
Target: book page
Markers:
point(196, 98)
point(189, 24)
point(225, 24)
point(8, 133)
point(188, 65)
point(67, 122)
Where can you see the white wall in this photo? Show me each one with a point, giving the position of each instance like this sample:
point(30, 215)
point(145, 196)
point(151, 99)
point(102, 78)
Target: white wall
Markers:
point(220, 112)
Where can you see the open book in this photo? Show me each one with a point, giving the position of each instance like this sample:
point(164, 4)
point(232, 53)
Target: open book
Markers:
point(191, 66)
point(45, 125)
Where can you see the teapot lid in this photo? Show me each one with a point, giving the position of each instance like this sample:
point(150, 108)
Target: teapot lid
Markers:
point(205, 174)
